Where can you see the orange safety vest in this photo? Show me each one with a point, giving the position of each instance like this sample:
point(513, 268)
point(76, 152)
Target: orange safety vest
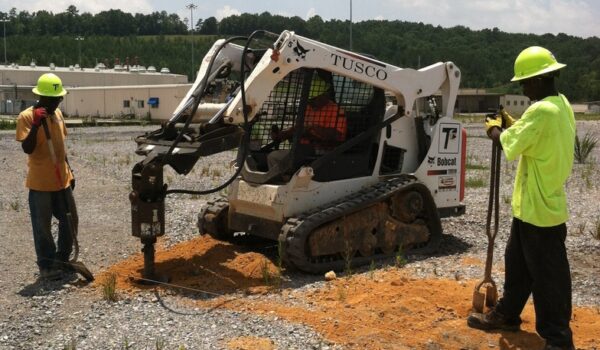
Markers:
point(329, 116)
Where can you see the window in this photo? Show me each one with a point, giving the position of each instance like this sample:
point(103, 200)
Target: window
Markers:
point(522, 103)
point(507, 102)
point(140, 103)
point(125, 103)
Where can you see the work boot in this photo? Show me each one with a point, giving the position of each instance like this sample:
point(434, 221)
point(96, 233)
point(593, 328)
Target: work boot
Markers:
point(493, 320)
point(50, 274)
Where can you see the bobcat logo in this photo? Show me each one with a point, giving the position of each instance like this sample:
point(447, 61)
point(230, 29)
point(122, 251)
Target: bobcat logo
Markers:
point(430, 160)
point(299, 50)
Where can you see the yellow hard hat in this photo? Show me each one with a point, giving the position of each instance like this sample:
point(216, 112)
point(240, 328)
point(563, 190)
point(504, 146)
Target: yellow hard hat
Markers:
point(318, 87)
point(535, 60)
point(50, 85)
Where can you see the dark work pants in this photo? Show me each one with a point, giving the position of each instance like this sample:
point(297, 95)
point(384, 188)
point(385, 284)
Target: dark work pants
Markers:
point(43, 206)
point(536, 263)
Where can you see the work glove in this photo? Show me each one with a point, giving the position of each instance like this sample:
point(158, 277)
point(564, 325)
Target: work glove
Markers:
point(38, 115)
point(492, 121)
point(507, 120)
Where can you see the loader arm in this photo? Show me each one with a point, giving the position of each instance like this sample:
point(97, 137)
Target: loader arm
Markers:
point(180, 142)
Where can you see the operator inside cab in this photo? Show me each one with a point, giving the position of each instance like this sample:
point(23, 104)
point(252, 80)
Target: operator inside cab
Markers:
point(324, 125)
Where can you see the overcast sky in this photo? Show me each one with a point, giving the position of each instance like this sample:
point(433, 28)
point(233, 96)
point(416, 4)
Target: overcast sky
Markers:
point(574, 17)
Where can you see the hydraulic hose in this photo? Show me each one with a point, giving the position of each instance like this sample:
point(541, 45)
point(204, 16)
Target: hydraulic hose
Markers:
point(243, 152)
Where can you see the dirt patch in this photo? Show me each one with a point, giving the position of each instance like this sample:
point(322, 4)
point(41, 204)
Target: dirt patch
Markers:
point(471, 261)
point(250, 343)
point(394, 311)
point(385, 309)
point(202, 264)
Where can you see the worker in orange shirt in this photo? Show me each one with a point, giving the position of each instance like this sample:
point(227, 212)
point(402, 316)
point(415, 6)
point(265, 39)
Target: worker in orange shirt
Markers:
point(324, 122)
point(46, 195)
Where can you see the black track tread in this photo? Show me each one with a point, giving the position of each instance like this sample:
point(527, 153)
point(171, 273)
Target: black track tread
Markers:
point(296, 230)
point(216, 207)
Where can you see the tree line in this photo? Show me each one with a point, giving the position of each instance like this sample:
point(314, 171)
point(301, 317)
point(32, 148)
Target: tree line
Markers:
point(485, 57)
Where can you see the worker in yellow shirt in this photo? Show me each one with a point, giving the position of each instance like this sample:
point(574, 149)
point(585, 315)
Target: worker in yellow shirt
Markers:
point(536, 259)
point(46, 195)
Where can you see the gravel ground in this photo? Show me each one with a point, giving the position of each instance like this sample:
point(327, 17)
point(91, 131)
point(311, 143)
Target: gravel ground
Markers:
point(56, 315)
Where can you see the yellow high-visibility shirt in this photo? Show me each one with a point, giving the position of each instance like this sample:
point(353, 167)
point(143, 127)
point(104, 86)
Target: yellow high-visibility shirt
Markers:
point(41, 175)
point(544, 137)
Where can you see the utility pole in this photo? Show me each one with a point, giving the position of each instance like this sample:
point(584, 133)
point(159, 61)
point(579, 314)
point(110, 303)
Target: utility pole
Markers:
point(192, 7)
point(4, 24)
point(350, 25)
point(79, 39)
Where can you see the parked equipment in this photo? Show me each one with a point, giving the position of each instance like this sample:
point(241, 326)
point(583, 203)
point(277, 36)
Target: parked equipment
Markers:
point(384, 187)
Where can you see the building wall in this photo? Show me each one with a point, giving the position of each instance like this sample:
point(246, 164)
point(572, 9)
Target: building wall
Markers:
point(110, 102)
point(515, 104)
point(88, 77)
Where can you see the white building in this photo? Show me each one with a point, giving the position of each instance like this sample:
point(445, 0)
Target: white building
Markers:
point(96, 91)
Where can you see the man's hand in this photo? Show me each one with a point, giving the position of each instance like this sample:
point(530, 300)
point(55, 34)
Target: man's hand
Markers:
point(38, 115)
point(507, 120)
point(72, 184)
point(491, 122)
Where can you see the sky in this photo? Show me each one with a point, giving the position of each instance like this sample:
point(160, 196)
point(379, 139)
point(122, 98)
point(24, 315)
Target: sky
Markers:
point(574, 17)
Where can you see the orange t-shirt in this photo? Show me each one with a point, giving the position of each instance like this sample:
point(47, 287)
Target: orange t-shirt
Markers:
point(41, 175)
point(329, 116)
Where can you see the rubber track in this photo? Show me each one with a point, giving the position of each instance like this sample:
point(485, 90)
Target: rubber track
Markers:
point(214, 207)
point(295, 232)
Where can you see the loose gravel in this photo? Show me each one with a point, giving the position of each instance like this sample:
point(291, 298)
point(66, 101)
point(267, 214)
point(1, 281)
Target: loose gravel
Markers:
point(67, 314)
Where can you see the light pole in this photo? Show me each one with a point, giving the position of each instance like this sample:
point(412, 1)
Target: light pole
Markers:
point(4, 24)
point(350, 25)
point(192, 7)
point(79, 39)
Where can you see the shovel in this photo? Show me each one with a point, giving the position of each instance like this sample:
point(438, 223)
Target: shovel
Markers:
point(75, 265)
point(486, 293)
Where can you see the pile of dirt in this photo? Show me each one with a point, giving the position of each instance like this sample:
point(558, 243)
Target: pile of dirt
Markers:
point(384, 309)
point(202, 264)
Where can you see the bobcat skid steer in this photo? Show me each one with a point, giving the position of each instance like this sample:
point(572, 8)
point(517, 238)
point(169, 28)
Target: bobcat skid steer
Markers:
point(383, 186)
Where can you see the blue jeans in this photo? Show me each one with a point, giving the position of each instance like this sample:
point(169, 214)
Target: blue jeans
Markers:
point(42, 206)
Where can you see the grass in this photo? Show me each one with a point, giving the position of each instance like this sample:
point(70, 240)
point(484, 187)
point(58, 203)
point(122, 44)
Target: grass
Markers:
point(15, 205)
point(582, 116)
point(584, 147)
point(400, 259)
point(109, 288)
point(587, 175)
point(372, 268)
point(7, 124)
point(471, 166)
point(348, 255)
point(475, 182)
point(580, 229)
point(595, 230)
point(271, 279)
point(159, 344)
point(72, 345)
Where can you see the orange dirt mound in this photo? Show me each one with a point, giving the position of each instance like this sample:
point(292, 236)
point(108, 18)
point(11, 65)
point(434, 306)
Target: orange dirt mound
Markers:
point(202, 263)
point(387, 309)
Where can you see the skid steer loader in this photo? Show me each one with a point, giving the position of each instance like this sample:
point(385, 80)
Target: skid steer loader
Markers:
point(383, 186)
